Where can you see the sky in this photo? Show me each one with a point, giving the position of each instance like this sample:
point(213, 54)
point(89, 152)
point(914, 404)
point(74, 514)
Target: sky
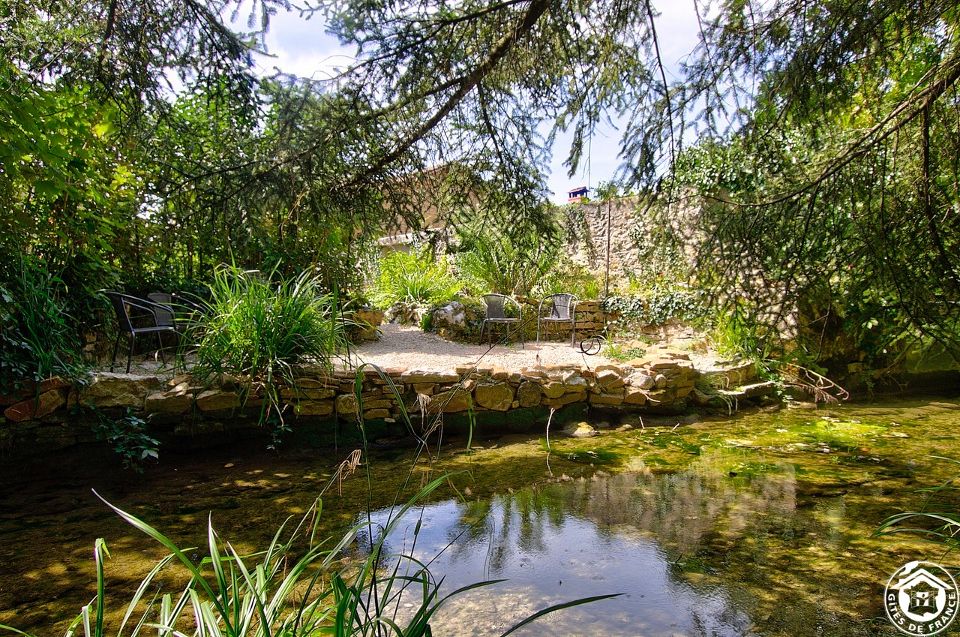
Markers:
point(302, 47)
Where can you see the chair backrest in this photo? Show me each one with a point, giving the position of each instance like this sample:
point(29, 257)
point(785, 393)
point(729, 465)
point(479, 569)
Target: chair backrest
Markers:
point(121, 308)
point(163, 311)
point(563, 305)
point(496, 305)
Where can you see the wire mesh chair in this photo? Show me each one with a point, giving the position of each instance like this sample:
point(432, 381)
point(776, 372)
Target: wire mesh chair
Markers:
point(562, 310)
point(131, 310)
point(177, 310)
point(163, 312)
point(497, 315)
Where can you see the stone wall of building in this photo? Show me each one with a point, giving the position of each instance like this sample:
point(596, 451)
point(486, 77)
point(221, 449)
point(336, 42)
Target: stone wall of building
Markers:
point(634, 228)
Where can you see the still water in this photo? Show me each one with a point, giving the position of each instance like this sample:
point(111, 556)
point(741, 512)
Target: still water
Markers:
point(757, 524)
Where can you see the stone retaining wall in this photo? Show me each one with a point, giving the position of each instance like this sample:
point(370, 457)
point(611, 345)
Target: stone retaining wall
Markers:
point(461, 321)
point(53, 418)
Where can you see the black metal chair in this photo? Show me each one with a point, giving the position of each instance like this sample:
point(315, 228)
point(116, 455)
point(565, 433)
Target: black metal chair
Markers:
point(497, 315)
point(179, 309)
point(164, 311)
point(130, 311)
point(563, 309)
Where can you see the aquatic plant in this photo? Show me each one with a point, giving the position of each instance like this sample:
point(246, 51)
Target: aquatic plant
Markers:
point(940, 526)
point(295, 587)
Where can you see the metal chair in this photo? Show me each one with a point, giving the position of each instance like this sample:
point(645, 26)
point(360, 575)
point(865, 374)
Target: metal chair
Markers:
point(130, 309)
point(497, 315)
point(163, 311)
point(562, 310)
point(178, 309)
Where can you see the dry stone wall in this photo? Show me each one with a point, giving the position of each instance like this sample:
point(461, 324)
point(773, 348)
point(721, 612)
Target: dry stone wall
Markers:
point(57, 414)
point(462, 321)
point(185, 406)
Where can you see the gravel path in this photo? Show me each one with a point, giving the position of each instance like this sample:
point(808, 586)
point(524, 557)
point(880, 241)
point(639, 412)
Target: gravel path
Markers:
point(407, 346)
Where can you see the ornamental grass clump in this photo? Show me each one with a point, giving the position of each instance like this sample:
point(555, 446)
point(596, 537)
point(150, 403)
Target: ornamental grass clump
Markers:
point(38, 340)
point(258, 327)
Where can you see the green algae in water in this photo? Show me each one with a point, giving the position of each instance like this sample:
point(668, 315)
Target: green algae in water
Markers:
point(593, 456)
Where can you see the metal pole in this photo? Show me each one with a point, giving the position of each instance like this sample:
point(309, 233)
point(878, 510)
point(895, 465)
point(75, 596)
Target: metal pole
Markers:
point(606, 278)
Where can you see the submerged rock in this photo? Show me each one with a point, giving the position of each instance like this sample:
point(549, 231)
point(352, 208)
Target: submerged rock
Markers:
point(580, 429)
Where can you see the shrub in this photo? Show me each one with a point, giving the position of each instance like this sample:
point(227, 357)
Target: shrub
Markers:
point(37, 338)
point(571, 278)
point(413, 278)
point(128, 438)
point(504, 264)
point(734, 333)
point(257, 328)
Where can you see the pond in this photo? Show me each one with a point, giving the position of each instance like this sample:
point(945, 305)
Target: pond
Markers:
point(756, 524)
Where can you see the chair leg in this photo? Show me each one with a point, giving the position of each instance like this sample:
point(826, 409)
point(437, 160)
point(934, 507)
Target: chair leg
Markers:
point(116, 348)
point(133, 340)
point(160, 343)
point(538, 330)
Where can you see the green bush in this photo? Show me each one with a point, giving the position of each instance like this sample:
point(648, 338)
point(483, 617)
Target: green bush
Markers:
point(497, 262)
point(571, 278)
point(128, 438)
point(257, 329)
point(413, 278)
point(658, 307)
point(38, 340)
point(734, 332)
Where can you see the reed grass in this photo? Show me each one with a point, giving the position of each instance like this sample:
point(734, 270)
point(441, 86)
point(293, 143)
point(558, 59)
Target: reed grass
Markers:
point(258, 327)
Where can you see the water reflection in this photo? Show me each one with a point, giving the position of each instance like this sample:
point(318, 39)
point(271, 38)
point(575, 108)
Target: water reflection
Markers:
point(627, 533)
